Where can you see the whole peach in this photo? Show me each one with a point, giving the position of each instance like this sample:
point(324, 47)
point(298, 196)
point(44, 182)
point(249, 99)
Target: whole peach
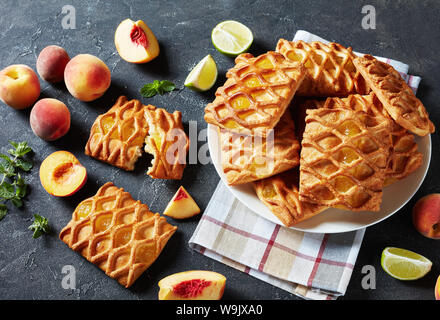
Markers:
point(50, 119)
point(51, 63)
point(426, 216)
point(87, 77)
point(19, 86)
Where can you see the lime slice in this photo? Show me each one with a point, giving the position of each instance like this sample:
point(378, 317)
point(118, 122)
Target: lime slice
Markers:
point(404, 264)
point(231, 38)
point(203, 76)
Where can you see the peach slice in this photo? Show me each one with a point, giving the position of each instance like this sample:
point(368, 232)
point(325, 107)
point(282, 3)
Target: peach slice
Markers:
point(135, 42)
point(182, 205)
point(61, 174)
point(426, 216)
point(192, 285)
point(437, 289)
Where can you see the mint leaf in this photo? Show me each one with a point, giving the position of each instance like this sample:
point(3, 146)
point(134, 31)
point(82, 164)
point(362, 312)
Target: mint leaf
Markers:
point(168, 86)
point(7, 191)
point(39, 226)
point(21, 148)
point(148, 91)
point(151, 89)
point(7, 169)
point(24, 165)
point(3, 211)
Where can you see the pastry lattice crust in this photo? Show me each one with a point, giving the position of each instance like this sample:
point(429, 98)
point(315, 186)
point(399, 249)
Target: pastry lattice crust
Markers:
point(280, 193)
point(248, 158)
point(117, 137)
point(167, 142)
point(330, 69)
point(343, 159)
point(116, 233)
point(397, 97)
point(256, 93)
point(404, 156)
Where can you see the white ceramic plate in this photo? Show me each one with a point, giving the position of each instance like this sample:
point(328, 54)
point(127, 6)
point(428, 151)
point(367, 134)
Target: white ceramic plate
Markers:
point(333, 220)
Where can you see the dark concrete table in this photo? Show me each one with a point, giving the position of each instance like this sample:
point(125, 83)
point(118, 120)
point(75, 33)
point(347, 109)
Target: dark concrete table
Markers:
point(31, 269)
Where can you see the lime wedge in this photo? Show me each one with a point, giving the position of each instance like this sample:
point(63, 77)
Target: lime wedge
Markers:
point(404, 264)
point(203, 76)
point(231, 38)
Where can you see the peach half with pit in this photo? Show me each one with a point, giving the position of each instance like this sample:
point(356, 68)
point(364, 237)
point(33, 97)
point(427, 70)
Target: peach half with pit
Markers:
point(192, 285)
point(19, 86)
point(61, 174)
point(87, 77)
point(50, 119)
point(51, 63)
point(426, 216)
point(135, 42)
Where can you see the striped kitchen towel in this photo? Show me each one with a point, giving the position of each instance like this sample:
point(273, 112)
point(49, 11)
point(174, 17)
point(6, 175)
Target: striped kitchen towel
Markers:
point(310, 265)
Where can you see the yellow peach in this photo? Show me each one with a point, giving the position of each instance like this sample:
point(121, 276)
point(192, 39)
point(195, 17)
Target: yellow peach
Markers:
point(135, 42)
point(50, 119)
point(87, 77)
point(19, 86)
point(192, 285)
point(51, 63)
point(426, 216)
point(61, 174)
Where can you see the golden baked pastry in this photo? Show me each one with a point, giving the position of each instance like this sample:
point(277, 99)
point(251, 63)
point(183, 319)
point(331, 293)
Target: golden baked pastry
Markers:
point(280, 193)
point(247, 158)
point(167, 142)
point(117, 137)
point(404, 156)
point(396, 96)
point(116, 233)
point(343, 159)
point(330, 69)
point(256, 93)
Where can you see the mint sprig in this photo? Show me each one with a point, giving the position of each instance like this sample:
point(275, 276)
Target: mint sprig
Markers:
point(151, 89)
point(13, 188)
point(39, 226)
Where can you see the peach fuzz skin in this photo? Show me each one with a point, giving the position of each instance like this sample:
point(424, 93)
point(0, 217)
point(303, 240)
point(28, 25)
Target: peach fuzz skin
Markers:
point(19, 86)
point(51, 63)
point(87, 77)
point(426, 216)
point(61, 174)
point(50, 119)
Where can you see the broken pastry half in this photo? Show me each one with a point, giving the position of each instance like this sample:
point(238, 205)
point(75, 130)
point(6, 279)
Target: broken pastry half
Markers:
point(117, 137)
point(119, 235)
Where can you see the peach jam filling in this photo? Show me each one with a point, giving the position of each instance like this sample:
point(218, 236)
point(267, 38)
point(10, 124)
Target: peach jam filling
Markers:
point(191, 288)
point(240, 102)
point(138, 36)
point(349, 128)
point(83, 210)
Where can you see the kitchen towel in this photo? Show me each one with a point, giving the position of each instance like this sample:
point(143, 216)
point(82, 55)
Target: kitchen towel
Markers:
point(310, 265)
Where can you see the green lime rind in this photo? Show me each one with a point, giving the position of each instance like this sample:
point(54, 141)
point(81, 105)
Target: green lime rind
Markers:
point(403, 264)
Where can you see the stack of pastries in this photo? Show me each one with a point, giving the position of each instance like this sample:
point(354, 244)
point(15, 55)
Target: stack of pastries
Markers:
point(314, 126)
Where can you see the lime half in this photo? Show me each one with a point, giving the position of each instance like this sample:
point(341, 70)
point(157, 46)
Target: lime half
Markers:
point(231, 38)
point(203, 76)
point(404, 264)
